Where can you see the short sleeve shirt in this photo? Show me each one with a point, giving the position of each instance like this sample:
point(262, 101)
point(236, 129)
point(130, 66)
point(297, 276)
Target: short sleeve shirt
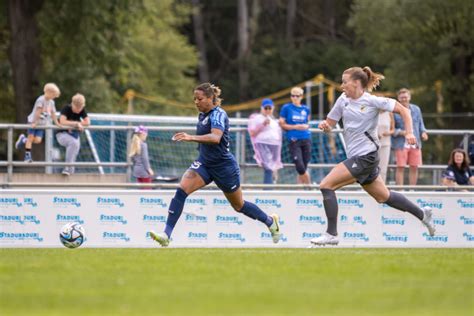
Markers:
point(214, 154)
point(71, 116)
point(47, 107)
point(360, 119)
point(460, 176)
point(294, 115)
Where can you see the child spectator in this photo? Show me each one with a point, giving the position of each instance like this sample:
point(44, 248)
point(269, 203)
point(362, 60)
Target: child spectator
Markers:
point(43, 110)
point(139, 155)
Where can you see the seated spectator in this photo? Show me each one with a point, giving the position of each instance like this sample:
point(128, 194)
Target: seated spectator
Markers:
point(265, 133)
point(75, 116)
point(458, 171)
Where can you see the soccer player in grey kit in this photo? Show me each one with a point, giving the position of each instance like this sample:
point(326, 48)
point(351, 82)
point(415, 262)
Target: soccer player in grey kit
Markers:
point(359, 112)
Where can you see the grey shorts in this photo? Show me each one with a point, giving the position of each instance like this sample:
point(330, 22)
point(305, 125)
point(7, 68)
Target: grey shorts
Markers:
point(364, 168)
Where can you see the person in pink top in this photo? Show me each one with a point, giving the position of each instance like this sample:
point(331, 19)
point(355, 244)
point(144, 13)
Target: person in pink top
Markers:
point(265, 133)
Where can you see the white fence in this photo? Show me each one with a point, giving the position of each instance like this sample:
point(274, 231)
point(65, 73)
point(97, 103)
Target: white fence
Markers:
point(122, 218)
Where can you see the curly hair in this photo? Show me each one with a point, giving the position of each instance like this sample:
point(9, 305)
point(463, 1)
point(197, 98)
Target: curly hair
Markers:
point(210, 90)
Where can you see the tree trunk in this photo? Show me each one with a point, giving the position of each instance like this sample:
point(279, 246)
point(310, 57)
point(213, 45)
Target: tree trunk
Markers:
point(24, 53)
point(329, 14)
point(290, 23)
point(243, 48)
point(200, 41)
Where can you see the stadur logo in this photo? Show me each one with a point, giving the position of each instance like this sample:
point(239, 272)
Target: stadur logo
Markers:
point(153, 219)
point(21, 236)
point(268, 202)
point(264, 236)
point(357, 219)
point(231, 237)
point(30, 201)
point(197, 236)
point(152, 202)
point(465, 203)
point(357, 236)
point(195, 201)
point(392, 221)
point(189, 218)
point(309, 235)
point(309, 219)
point(6, 202)
point(438, 238)
point(21, 219)
point(438, 204)
point(105, 218)
point(221, 219)
point(467, 220)
point(309, 202)
point(62, 201)
point(220, 202)
point(115, 236)
point(61, 218)
point(395, 237)
point(350, 202)
point(109, 202)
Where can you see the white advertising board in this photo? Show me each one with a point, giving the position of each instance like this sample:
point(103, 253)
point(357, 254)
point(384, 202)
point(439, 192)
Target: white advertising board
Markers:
point(123, 218)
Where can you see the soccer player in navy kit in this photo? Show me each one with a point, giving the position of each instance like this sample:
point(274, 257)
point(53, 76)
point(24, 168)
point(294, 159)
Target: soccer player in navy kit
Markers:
point(215, 163)
point(359, 111)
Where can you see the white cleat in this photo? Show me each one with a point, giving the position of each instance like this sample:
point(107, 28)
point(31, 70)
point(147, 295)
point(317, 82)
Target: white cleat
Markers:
point(160, 238)
point(428, 220)
point(325, 239)
point(275, 229)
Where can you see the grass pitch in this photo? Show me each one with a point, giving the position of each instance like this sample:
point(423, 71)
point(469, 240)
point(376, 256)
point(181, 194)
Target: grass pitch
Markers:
point(335, 281)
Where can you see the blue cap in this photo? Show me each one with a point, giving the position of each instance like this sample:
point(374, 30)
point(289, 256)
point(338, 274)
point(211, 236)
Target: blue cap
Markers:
point(267, 102)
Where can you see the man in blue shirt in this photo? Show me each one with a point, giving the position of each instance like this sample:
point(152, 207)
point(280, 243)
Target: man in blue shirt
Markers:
point(408, 154)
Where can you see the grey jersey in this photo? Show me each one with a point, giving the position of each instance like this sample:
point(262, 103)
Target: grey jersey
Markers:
point(360, 119)
point(47, 107)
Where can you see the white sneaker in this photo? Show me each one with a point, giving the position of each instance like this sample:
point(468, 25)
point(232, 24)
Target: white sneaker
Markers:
point(325, 239)
point(428, 220)
point(66, 172)
point(160, 238)
point(275, 229)
point(20, 143)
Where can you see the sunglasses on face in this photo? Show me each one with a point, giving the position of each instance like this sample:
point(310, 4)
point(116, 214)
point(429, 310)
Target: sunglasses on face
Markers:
point(296, 95)
point(267, 108)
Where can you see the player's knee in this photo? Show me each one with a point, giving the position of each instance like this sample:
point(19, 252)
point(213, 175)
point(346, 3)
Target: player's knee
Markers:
point(300, 168)
point(37, 140)
point(237, 206)
point(326, 185)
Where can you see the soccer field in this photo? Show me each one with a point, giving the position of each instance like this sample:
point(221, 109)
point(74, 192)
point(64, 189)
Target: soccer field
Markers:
point(324, 281)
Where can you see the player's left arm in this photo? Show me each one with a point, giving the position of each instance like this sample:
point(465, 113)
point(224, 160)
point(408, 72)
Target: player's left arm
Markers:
point(214, 137)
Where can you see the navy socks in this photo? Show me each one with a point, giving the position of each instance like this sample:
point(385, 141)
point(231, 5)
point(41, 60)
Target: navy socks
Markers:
point(175, 210)
point(331, 208)
point(254, 212)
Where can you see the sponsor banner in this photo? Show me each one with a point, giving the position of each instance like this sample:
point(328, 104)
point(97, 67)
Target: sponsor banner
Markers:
point(124, 218)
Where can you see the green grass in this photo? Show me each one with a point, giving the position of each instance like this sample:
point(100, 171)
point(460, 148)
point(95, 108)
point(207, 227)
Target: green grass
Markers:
point(334, 281)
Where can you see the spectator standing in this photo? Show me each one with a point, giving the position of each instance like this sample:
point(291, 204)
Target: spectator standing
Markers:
point(139, 155)
point(408, 154)
point(73, 115)
point(386, 127)
point(265, 133)
point(458, 171)
point(294, 119)
point(43, 111)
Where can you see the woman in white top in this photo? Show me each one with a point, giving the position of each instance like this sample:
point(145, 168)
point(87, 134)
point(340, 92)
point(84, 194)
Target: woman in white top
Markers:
point(359, 111)
point(265, 133)
point(386, 127)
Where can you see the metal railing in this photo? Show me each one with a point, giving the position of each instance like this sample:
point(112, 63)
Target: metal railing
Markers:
point(241, 130)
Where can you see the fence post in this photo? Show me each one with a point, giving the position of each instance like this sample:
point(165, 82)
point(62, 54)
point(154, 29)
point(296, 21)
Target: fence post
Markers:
point(10, 154)
point(48, 147)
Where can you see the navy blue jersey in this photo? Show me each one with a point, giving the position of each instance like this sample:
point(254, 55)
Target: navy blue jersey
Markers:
point(214, 154)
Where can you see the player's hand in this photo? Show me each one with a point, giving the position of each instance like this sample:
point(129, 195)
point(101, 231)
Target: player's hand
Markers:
point(180, 137)
point(80, 127)
point(150, 172)
point(324, 126)
point(410, 139)
point(33, 125)
point(302, 127)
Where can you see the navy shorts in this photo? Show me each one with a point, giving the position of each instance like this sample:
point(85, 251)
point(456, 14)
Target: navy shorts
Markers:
point(36, 132)
point(226, 175)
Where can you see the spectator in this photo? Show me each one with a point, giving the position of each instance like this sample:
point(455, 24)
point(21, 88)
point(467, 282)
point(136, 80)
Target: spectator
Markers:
point(265, 134)
point(294, 119)
point(408, 154)
point(386, 127)
point(43, 110)
point(75, 116)
point(458, 171)
point(139, 155)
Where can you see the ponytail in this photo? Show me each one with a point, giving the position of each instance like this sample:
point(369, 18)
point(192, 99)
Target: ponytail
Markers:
point(369, 79)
